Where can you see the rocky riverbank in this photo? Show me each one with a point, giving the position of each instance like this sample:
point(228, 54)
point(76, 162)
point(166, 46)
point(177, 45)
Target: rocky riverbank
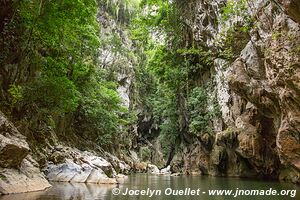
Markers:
point(20, 173)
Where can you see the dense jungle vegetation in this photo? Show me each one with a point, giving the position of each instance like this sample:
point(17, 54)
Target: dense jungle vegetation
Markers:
point(53, 75)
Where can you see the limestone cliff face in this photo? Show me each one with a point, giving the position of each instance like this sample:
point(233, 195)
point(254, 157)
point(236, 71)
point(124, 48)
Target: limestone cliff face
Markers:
point(117, 55)
point(257, 90)
point(28, 160)
point(114, 53)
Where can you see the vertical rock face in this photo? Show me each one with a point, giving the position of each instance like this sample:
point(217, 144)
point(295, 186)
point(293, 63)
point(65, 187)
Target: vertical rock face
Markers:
point(258, 93)
point(18, 171)
point(114, 52)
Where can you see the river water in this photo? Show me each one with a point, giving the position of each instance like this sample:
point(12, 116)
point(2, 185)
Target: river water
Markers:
point(142, 186)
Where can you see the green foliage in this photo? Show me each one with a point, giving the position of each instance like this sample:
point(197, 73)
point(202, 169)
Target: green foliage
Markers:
point(121, 10)
point(15, 93)
point(62, 35)
point(56, 94)
point(169, 75)
point(167, 142)
point(230, 48)
point(59, 46)
point(199, 116)
point(234, 9)
point(236, 22)
point(276, 35)
point(170, 69)
point(202, 111)
point(3, 177)
point(296, 49)
point(196, 59)
point(165, 113)
point(100, 110)
point(167, 66)
point(58, 42)
point(159, 22)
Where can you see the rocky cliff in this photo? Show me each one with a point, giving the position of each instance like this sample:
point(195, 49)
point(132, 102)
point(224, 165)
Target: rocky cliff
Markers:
point(253, 77)
point(32, 152)
point(20, 172)
point(257, 90)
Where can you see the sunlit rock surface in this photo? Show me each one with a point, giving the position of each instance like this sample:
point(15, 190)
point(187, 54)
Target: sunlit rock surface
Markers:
point(84, 167)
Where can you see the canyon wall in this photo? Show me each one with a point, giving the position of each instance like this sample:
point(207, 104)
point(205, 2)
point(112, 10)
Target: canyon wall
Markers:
point(254, 78)
point(257, 90)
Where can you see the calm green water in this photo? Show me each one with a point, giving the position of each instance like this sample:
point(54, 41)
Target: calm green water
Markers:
point(160, 185)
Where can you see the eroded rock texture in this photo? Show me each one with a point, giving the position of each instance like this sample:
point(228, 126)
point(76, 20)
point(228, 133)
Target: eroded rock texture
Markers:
point(71, 165)
point(258, 93)
point(18, 171)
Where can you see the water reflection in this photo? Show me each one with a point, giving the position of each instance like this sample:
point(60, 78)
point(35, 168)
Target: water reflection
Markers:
point(80, 191)
point(66, 191)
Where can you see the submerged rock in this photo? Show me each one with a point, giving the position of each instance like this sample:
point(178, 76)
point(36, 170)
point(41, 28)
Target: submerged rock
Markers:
point(176, 174)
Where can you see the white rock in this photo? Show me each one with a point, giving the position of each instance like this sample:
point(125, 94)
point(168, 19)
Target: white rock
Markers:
point(153, 169)
point(82, 175)
point(95, 175)
point(26, 179)
point(63, 172)
point(166, 170)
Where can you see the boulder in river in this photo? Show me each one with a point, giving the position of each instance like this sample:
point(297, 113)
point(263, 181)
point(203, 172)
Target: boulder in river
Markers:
point(84, 167)
point(153, 169)
point(166, 170)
